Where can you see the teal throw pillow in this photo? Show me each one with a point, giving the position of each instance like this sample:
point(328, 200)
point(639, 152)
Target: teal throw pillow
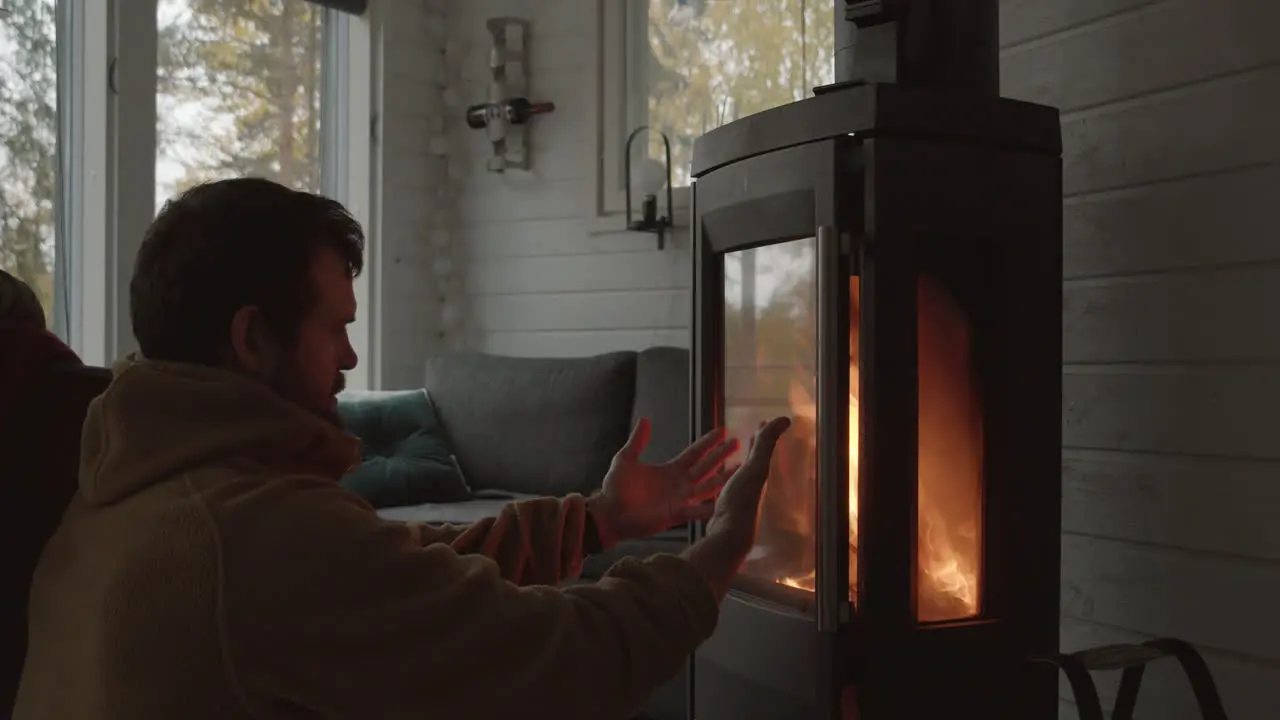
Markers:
point(405, 457)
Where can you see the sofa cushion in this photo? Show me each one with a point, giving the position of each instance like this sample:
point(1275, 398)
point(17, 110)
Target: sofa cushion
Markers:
point(485, 504)
point(405, 458)
point(537, 426)
point(662, 395)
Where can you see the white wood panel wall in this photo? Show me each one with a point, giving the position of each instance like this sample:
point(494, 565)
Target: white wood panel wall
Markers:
point(1172, 251)
point(409, 179)
point(1172, 385)
point(542, 279)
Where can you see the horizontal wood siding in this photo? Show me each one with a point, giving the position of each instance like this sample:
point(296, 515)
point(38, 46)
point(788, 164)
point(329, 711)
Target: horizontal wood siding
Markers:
point(544, 277)
point(1171, 465)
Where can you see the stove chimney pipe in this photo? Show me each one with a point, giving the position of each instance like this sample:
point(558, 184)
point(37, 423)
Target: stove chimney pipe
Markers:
point(937, 43)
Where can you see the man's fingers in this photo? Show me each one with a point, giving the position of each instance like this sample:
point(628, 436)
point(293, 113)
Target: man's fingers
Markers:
point(757, 463)
point(638, 440)
point(710, 488)
point(694, 513)
point(713, 460)
point(751, 443)
point(767, 437)
point(699, 448)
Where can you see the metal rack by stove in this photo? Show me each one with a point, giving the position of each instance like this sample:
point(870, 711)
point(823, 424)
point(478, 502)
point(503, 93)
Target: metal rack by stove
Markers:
point(1132, 660)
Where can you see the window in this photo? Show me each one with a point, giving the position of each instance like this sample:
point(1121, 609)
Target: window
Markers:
point(31, 245)
point(241, 91)
point(107, 107)
point(684, 67)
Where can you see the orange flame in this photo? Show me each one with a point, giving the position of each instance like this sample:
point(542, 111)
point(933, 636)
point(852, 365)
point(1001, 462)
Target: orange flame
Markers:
point(948, 549)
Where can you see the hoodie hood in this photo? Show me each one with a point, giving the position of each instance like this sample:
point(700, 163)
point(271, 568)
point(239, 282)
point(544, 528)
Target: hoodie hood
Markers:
point(158, 420)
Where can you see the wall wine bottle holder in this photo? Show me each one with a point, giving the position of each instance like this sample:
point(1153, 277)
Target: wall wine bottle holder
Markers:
point(506, 115)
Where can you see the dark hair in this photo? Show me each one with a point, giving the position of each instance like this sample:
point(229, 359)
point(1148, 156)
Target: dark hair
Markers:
point(223, 245)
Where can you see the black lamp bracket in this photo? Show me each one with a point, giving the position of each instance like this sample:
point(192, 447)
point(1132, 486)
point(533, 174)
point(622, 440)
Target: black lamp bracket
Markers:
point(649, 220)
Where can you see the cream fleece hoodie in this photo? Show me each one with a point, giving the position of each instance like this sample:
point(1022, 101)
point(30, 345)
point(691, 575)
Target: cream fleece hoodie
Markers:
point(210, 567)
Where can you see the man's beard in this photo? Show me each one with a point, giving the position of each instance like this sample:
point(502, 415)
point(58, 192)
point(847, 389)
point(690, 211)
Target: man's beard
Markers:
point(330, 414)
point(284, 382)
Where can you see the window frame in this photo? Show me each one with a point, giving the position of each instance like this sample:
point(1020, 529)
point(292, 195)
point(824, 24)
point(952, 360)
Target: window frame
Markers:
point(620, 86)
point(65, 292)
point(335, 88)
point(132, 154)
point(348, 161)
point(107, 160)
point(109, 180)
point(85, 130)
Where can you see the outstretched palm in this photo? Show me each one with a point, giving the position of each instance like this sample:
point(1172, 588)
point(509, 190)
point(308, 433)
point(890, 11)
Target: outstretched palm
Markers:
point(638, 499)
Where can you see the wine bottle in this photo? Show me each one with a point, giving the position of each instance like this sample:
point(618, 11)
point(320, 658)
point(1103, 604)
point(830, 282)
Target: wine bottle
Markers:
point(517, 111)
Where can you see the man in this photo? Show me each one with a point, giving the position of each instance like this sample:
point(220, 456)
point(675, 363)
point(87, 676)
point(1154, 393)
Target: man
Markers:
point(210, 566)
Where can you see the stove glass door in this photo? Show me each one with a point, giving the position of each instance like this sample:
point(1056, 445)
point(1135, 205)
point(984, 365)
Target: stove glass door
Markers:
point(771, 368)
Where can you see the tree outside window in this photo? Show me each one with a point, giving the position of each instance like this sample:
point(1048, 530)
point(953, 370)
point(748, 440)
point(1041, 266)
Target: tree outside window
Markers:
point(708, 62)
point(29, 146)
point(239, 85)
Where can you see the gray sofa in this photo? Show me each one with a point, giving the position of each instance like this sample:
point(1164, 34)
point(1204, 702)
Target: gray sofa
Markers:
point(527, 427)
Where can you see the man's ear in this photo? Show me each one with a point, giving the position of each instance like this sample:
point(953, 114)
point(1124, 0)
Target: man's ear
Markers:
point(251, 345)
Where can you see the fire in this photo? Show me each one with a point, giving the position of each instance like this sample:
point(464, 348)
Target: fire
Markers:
point(949, 485)
point(801, 403)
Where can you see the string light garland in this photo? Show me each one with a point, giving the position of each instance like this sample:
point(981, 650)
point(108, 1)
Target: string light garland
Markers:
point(447, 169)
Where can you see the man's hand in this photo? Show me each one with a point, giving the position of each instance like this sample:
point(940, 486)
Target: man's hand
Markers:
point(638, 500)
point(732, 530)
point(737, 511)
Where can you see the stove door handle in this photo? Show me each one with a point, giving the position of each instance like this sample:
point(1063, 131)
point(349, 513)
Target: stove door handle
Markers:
point(833, 454)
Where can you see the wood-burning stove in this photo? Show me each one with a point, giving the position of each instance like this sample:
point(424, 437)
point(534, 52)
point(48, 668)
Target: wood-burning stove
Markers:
point(882, 262)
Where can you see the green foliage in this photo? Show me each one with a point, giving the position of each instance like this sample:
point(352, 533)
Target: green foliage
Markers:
point(713, 61)
point(239, 86)
point(28, 144)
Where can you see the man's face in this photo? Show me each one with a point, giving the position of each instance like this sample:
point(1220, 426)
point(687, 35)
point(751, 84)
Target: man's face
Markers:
point(310, 372)
point(311, 375)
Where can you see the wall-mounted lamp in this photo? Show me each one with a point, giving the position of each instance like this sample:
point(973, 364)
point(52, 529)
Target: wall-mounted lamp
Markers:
point(649, 220)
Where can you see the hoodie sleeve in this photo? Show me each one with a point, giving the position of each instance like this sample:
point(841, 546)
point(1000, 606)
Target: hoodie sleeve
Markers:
point(331, 609)
point(534, 542)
